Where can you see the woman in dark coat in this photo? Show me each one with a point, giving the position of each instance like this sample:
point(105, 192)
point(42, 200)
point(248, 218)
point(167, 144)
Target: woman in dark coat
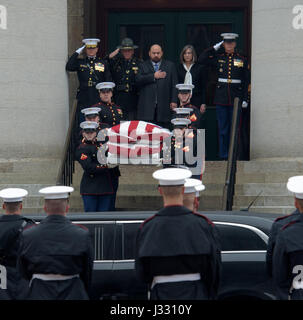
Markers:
point(190, 72)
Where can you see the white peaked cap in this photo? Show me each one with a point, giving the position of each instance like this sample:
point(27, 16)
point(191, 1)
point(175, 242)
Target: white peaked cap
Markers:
point(88, 111)
point(172, 176)
point(91, 42)
point(89, 125)
point(105, 85)
point(184, 86)
point(13, 194)
point(192, 185)
point(183, 110)
point(295, 185)
point(56, 192)
point(229, 36)
point(180, 121)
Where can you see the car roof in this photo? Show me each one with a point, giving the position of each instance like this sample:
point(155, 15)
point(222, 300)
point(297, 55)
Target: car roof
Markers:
point(263, 221)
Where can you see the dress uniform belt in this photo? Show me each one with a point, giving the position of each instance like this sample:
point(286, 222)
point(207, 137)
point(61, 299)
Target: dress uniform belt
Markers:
point(176, 278)
point(230, 80)
point(52, 277)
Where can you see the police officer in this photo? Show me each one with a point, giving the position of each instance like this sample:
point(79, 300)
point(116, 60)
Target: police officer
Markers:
point(90, 70)
point(287, 264)
point(110, 114)
point(176, 252)
point(184, 96)
point(12, 224)
point(124, 66)
point(233, 80)
point(56, 255)
point(99, 184)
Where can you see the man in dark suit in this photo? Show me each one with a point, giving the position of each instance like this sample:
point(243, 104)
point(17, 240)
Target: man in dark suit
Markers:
point(157, 79)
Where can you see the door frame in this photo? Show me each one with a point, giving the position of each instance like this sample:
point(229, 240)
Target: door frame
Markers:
point(104, 7)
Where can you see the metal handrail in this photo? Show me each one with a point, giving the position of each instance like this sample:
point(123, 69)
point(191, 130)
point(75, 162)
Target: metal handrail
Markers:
point(229, 187)
point(67, 164)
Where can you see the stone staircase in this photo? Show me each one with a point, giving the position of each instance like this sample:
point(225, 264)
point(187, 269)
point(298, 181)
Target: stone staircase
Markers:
point(30, 174)
point(269, 176)
point(138, 190)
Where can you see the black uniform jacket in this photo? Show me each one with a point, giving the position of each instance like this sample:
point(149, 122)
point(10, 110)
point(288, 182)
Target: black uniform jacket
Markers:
point(90, 71)
point(199, 76)
point(178, 241)
point(228, 66)
point(57, 246)
point(110, 114)
point(275, 229)
point(11, 227)
point(97, 178)
point(124, 76)
point(288, 261)
point(156, 94)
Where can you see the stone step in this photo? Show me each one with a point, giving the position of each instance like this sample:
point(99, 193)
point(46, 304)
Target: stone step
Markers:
point(266, 201)
point(33, 189)
point(268, 189)
point(279, 210)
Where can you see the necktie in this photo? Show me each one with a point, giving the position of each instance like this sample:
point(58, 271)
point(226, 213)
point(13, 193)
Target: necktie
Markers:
point(156, 66)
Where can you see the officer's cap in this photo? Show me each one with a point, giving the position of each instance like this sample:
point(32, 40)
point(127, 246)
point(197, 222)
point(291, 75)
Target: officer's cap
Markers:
point(183, 111)
point(56, 192)
point(229, 37)
point(180, 122)
point(91, 43)
point(91, 111)
point(199, 188)
point(126, 44)
point(13, 194)
point(105, 85)
point(172, 176)
point(295, 185)
point(89, 125)
point(183, 87)
point(193, 185)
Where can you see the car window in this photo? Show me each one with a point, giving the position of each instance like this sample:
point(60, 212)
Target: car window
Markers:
point(237, 238)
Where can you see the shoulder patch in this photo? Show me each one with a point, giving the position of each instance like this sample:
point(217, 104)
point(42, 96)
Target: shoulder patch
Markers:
point(83, 156)
point(289, 224)
point(203, 216)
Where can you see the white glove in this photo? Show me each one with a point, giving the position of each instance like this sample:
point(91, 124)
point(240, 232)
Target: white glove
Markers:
point(244, 104)
point(218, 45)
point(80, 49)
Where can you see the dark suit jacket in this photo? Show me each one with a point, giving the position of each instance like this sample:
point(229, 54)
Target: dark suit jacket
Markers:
point(156, 94)
point(199, 77)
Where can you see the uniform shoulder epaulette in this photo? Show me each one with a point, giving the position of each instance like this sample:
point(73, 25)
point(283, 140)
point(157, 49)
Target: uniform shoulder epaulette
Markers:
point(203, 216)
point(283, 217)
point(146, 220)
point(97, 104)
point(289, 224)
point(80, 226)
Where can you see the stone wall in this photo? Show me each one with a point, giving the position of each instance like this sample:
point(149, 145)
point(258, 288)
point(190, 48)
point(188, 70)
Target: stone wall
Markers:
point(33, 83)
point(277, 87)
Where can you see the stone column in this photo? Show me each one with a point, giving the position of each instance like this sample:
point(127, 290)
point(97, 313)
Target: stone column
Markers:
point(34, 107)
point(277, 87)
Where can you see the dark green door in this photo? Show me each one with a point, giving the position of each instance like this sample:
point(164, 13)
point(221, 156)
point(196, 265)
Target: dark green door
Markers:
point(173, 30)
